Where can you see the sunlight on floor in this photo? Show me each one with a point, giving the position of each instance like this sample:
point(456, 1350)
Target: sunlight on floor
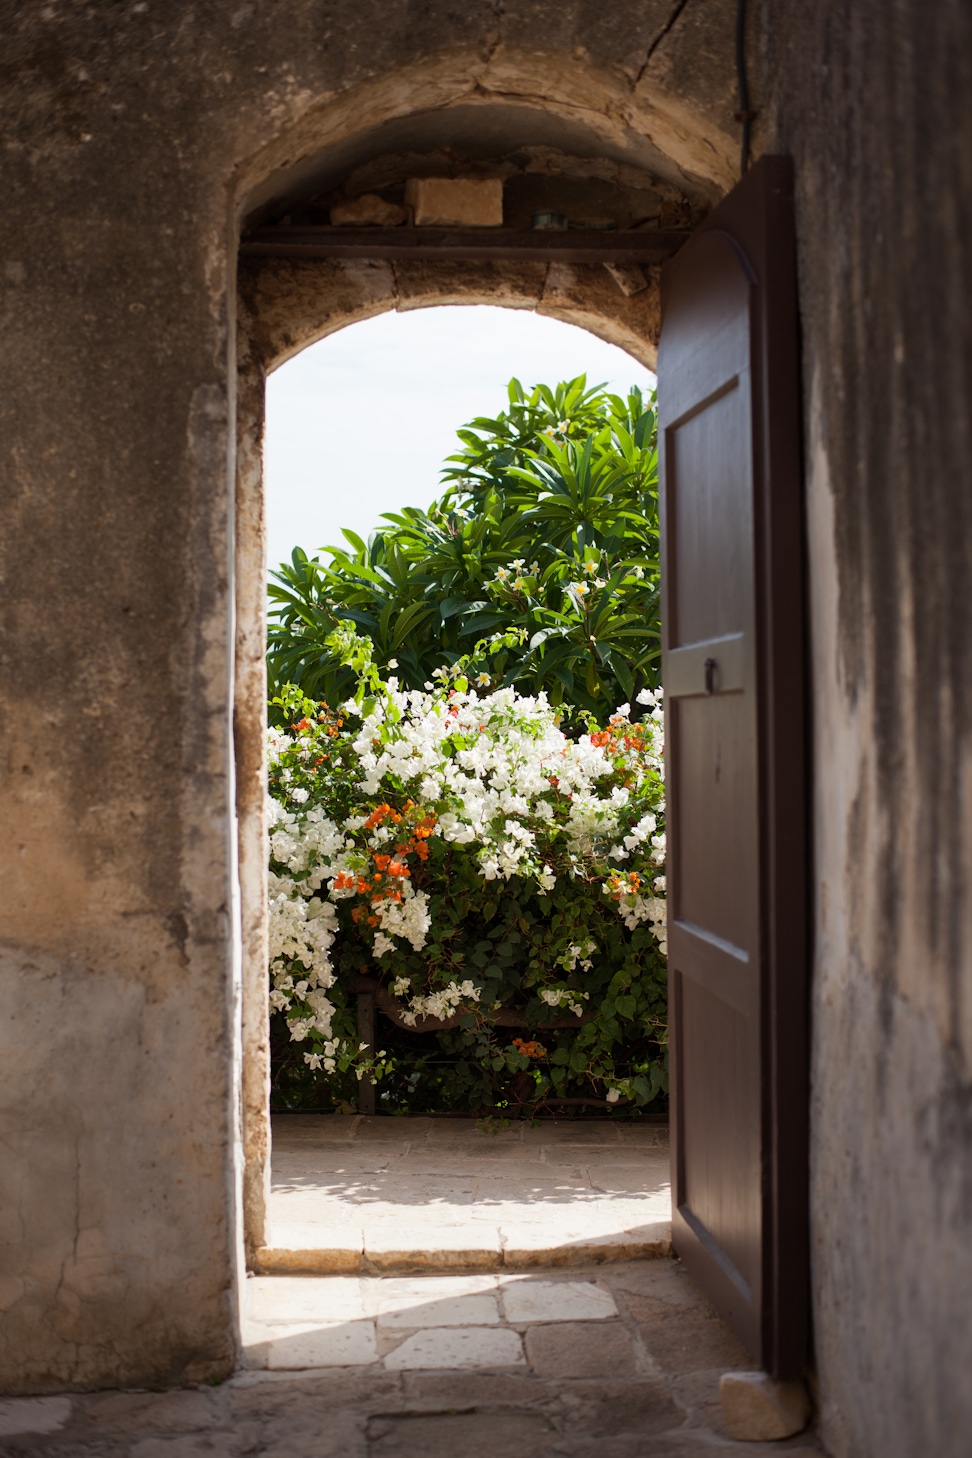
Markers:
point(352, 1193)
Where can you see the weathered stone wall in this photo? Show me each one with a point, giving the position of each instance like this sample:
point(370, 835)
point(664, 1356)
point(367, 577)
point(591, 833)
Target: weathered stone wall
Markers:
point(875, 102)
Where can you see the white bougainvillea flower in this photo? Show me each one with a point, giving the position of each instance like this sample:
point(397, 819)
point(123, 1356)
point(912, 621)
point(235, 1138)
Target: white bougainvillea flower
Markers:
point(498, 782)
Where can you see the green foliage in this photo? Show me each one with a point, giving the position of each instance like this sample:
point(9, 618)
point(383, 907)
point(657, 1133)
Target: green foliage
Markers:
point(548, 527)
point(393, 852)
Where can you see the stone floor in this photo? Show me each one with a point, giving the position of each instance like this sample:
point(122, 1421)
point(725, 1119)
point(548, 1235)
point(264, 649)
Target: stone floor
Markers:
point(487, 1295)
point(618, 1360)
point(379, 1194)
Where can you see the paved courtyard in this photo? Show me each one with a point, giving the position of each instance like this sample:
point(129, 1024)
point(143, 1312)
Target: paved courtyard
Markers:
point(618, 1360)
point(375, 1194)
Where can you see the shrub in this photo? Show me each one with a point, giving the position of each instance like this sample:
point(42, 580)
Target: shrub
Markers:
point(548, 526)
point(489, 874)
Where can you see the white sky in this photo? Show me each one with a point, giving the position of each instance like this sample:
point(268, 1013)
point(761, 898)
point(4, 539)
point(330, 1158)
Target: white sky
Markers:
point(361, 422)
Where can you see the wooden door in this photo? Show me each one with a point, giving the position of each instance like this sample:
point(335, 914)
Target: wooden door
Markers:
point(734, 679)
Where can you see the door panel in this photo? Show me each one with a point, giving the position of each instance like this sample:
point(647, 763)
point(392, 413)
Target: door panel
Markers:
point(722, 1139)
point(713, 537)
point(713, 778)
point(733, 670)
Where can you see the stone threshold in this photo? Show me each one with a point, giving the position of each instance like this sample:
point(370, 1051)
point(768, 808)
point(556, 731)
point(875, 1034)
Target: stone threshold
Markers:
point(350, 1260)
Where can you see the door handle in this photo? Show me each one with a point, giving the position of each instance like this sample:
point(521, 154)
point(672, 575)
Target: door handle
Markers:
point(714, 666)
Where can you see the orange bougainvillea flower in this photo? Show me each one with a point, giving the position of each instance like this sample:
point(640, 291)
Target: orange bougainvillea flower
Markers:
point(621, 884)
point(343, 881)
point(380, 813)
point(398, 868)
point(529, 1049)
point(381, 861)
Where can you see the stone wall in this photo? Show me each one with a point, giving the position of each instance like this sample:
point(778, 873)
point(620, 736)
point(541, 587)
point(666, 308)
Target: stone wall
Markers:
point(875, 102)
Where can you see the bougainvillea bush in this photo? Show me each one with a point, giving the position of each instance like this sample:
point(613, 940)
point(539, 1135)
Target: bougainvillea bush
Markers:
point(487, 872)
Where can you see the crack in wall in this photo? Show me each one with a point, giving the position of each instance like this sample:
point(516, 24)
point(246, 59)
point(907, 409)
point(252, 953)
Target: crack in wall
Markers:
point(662, 34)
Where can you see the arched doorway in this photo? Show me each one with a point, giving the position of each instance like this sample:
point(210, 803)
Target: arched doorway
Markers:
point(290, 306)
point(291, 293)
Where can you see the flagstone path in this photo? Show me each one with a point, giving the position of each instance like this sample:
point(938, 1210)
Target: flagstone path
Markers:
point(618, 1360)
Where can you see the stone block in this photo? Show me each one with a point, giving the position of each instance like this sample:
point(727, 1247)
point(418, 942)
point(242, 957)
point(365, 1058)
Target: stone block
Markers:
point(527, 1245)
point(685, 1339)
point(367, 211)
point(455, 202)
point(439, 1310)
point(432, 1247)
point(580, 1349)
point(310, 1249)
point(297, 1345)
point(387, 1293)
point(325, 1299)
point(323, 1394)
point(629, 278)
point(757, 1408)
point(528, 1301)
point(451, 1347)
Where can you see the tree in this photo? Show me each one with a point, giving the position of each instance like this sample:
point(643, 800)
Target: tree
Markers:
point(543, 548)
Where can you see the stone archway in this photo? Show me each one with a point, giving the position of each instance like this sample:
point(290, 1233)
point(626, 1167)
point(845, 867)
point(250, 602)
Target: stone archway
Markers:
point(283, 308)
point(657, 136)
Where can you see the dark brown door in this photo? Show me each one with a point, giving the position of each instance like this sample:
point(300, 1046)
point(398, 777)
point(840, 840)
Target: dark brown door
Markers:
point(733, 672)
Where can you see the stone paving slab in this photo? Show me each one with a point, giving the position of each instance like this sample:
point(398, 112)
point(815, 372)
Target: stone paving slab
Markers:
point(609, 1361)
point(380, 1194)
